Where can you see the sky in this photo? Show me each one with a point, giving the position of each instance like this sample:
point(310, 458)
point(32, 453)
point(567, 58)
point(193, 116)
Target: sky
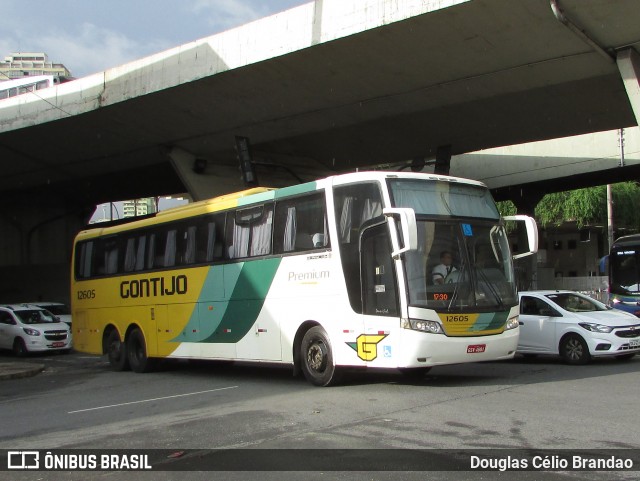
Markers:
point(90, 36)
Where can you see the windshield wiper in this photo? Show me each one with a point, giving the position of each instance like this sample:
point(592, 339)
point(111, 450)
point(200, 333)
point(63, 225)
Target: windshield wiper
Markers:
point(491, 288)
point(461, 272)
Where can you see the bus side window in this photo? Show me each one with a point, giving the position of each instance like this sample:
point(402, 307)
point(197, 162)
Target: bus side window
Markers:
point(189, 245)
point(111, 256)
point(249, 232)
point(134, 253)
point(300, 224)
point(355, 204)
point(84, 255)
point(170, 248)
point(209, 239)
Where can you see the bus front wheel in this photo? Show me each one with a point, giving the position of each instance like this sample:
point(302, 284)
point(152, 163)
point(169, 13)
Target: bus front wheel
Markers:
point(137, 352)
point(317, 358)
point(116, 352)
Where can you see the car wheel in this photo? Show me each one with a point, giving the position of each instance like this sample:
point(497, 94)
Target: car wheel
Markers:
point(317, 358)
point(19, 347)
point(574, 350)
point(137, 352)
point(116, 352)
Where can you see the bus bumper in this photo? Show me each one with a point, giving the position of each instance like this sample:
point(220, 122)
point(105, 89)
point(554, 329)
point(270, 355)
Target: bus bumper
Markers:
point(418, 349)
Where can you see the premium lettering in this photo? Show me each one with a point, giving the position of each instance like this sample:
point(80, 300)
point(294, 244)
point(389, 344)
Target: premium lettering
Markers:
point(153, 287)
point(308, 276)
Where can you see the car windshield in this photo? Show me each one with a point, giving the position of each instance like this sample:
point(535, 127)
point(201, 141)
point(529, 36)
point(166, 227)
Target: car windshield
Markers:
point(575, 302)
point(57, 309)
point(35, 316)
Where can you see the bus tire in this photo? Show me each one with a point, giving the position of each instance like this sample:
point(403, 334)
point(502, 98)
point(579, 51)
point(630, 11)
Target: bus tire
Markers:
point(574, 350)
point(316, 358)
point(116, 352)
point(137, 352)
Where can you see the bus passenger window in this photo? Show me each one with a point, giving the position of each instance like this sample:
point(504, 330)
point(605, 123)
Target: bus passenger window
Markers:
point(249, 233)
point(134, 254)
point(301, 224)
point(189, 247)
point(170, 249)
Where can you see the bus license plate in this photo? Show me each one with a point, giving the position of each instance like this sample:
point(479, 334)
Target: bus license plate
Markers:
point(476, 348)
point(57, 344)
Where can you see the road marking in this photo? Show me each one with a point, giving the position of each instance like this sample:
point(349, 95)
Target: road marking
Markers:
point(150, 400)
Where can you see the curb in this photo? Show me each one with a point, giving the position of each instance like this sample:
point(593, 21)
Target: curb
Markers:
point(17, 370)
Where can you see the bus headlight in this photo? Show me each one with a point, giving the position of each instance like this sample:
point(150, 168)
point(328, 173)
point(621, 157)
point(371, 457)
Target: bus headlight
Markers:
point(432, 327)
point(512, 323)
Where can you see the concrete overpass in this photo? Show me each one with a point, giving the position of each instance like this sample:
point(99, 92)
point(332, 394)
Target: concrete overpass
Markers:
point(328, 86)
point(526, 172)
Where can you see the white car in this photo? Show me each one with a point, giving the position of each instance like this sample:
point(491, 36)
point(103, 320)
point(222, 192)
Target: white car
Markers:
point(60, 310)
point(575, 327)
point(27, 328)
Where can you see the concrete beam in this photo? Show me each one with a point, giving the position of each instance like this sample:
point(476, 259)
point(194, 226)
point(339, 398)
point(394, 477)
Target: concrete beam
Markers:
point(629, 65)
point(202, 180)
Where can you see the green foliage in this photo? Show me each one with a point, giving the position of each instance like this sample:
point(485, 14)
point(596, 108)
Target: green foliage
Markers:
point(508, 208)
point(587, 206)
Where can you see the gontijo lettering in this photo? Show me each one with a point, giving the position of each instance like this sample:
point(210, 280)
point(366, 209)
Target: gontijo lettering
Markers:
point(153, 287)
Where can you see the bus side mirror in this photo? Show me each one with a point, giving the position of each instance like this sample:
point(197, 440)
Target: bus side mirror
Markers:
point(532, 233)
point(407, 218)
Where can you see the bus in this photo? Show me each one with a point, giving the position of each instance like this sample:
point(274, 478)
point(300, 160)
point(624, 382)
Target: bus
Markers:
point(24, 85)
point(624, 274)
point(324, 276)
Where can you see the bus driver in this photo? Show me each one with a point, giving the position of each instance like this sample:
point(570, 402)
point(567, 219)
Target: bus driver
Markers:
point(442, 270)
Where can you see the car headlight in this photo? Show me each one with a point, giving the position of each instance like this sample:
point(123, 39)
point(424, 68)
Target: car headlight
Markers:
point(431, 327)
point(512, 323)
point(31, 332)
point(593, 327)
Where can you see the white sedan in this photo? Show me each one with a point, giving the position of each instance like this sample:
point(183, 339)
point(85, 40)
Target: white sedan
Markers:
point(575, 327)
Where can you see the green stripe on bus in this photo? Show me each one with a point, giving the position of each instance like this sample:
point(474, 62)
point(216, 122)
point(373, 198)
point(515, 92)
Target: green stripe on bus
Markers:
point(296, 190)
point(246, 301)
point(490, 321)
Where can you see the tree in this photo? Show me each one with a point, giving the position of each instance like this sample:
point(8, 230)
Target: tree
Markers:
point(587, 206)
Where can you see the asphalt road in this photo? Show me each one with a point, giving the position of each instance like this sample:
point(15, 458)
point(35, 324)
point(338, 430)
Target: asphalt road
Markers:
point(189, 408)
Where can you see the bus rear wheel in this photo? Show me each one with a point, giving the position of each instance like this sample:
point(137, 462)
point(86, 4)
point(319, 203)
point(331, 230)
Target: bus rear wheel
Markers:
point(137, 352)
point(317, 358)
point(116, 352)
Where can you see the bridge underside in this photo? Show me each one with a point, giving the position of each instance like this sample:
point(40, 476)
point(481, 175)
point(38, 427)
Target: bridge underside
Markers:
point(478, 74)
point(343, 84)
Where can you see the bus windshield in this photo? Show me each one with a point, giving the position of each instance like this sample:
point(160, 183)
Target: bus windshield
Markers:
point(625, 277)
point(463, 262)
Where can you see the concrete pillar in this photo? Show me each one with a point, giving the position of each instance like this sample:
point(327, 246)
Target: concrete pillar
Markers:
point(629, 65)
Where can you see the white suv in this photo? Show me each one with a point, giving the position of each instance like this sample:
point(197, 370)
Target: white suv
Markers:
point(27, 328)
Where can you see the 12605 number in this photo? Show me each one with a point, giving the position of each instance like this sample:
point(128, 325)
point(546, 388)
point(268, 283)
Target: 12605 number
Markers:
point(88, 294)
point(459, 318)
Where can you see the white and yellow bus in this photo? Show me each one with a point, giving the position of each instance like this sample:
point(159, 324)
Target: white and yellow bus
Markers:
point(326, 275)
